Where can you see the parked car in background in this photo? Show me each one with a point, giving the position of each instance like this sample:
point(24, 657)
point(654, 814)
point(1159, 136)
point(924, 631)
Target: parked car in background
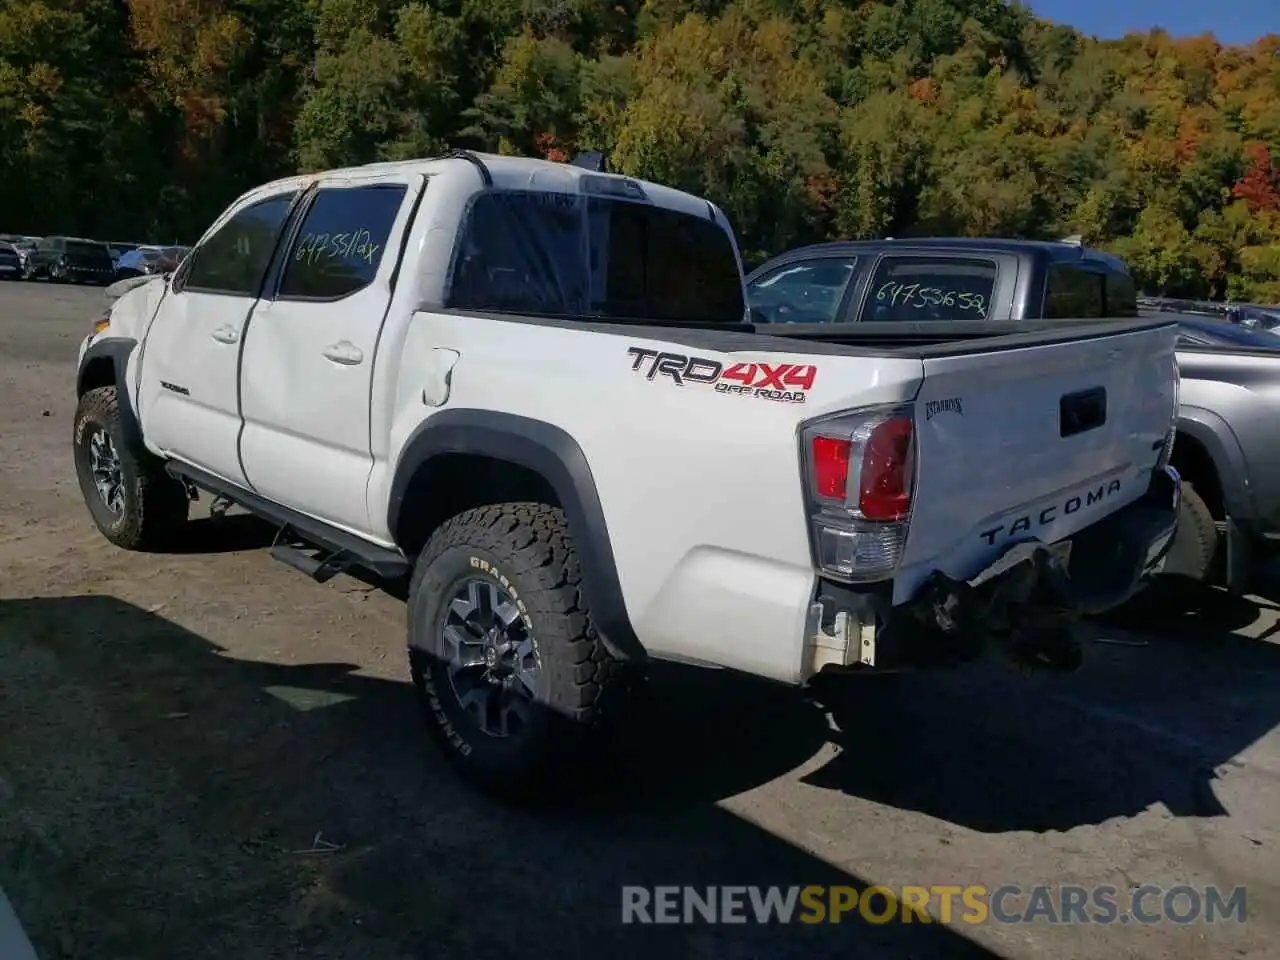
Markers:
point(1226, 448)
point(118, 250)
point(148, 261)
point(1256, 315)
point(71, 260)
point(23, 246)
point(11, 267)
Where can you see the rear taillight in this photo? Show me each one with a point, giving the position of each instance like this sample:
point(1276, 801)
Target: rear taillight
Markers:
point(1166, 452)
point(859, 476)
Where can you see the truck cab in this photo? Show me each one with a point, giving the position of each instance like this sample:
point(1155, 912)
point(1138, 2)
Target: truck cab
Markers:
point(950, 279)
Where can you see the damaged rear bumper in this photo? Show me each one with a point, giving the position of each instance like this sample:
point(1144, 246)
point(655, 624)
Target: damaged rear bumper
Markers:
point(1025, 605)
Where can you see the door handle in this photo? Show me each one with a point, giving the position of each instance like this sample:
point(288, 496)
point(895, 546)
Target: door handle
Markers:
point(344, 352)
point(226, 334)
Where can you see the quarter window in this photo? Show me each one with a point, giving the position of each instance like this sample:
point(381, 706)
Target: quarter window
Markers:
point(567, 255)
point(234, 259)
point(1073, 294)
point(808, 292)
point(926, 288)
point(342, 241)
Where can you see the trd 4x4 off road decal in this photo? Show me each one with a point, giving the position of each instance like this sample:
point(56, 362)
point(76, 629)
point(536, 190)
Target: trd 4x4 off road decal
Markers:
point(781, 382)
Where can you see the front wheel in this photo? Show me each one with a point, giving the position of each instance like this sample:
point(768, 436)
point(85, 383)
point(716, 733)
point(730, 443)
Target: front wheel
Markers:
point(514, 680)
point(133, 501)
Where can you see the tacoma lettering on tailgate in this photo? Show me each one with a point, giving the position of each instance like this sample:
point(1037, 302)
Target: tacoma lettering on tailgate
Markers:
point(1024, 523)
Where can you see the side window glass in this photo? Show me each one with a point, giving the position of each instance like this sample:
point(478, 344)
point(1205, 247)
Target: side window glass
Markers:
point(1073, 294)
point(342, 241)
point(234, 259)
point(808, 292)
point(1122, 295)
point(915, 289)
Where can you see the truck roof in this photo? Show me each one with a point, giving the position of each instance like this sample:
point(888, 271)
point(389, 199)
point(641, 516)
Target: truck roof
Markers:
point(507, 173)
point(1051, 251)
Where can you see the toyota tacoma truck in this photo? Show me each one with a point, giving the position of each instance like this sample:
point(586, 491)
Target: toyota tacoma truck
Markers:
point(533, 389)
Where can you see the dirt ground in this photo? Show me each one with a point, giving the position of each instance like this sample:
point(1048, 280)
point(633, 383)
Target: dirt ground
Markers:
point(207, 755)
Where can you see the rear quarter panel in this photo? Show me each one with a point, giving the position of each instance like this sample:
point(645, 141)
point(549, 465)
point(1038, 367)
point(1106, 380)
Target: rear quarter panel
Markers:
point(700, 489)
point(1234, 400)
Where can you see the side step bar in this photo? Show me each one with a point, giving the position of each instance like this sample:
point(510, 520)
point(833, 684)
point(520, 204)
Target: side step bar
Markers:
point(341, 550)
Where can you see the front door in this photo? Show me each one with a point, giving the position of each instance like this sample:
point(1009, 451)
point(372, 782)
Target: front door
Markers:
point(188, 398)
point(308, 361)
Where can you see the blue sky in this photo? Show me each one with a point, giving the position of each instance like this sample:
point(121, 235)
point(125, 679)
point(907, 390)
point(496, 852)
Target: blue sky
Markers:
point(1232, 21)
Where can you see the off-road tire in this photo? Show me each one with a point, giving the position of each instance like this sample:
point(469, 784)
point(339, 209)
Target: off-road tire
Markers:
point(1190, 561)
point(1195, 545)
point(524, 548)
point(155, 504)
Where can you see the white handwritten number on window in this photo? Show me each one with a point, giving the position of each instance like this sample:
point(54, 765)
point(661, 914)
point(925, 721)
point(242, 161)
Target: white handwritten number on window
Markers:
point(321, 246)
point(915, 295)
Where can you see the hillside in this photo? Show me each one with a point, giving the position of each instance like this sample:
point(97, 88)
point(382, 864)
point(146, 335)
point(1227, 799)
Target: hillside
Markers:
point(806, 119)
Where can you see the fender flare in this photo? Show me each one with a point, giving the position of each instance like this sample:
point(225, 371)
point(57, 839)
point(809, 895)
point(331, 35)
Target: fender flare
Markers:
point(117, 350)
point(1219, 441)
point(553, 454)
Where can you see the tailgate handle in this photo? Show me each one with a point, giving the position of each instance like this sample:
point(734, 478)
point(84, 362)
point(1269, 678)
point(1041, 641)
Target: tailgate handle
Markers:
point(1082, 411)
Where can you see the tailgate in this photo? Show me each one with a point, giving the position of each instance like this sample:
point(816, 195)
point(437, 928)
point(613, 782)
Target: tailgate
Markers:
point(1035, 441)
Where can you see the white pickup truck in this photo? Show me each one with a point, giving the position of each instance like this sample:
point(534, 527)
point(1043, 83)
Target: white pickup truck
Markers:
point(536, 389)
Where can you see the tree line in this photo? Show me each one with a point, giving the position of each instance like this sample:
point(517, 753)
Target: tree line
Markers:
point(805, 119)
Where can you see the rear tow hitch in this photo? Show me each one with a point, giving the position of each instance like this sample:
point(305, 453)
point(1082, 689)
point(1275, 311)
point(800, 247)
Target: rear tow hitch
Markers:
point(1022, 604)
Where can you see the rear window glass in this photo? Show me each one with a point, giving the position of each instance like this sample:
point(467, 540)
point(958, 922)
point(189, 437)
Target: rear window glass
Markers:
point(1073, 294)
point(925, 288)
point(808, 292)
point(566, 255)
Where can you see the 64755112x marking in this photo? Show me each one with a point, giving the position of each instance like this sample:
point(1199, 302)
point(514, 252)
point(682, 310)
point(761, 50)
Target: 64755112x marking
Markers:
point(780, 382)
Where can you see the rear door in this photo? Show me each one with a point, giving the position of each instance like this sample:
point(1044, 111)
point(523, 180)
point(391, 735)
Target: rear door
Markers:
point(309, 354)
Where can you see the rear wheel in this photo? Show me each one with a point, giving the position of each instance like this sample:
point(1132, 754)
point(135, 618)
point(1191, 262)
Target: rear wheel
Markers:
point(1190, 561)
point(1195, 545)
point(134, 502)
point(514, 680)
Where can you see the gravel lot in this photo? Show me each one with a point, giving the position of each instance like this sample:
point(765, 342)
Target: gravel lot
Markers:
point(207, 755)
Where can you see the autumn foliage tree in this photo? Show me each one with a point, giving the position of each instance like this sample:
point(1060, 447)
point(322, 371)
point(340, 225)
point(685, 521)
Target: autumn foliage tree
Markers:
point(805, 119)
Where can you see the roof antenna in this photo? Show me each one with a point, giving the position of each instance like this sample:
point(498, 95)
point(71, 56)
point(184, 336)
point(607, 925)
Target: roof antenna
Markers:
point(595, 160)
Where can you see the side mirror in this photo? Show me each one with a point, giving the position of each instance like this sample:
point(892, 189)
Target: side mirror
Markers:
point(176, 277)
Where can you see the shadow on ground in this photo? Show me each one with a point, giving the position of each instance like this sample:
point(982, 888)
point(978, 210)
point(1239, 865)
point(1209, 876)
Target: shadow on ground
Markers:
point(1151, 718)
point(163, 800)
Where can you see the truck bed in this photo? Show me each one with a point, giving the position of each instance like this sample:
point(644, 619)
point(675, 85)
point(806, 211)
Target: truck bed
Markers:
point(943, 339)
point(915, 340)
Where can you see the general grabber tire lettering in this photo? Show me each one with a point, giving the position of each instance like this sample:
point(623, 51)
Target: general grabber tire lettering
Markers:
point(509, 562)
point(131, 498)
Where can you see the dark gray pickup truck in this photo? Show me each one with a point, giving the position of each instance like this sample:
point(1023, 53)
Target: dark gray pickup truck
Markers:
point(1227, 450)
